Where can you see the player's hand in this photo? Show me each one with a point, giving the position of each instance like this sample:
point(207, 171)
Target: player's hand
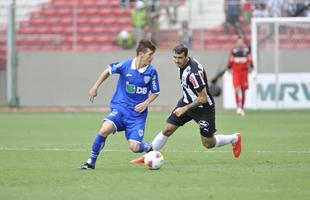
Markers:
point(92, 94)
point(141, 107)
point(180, 111)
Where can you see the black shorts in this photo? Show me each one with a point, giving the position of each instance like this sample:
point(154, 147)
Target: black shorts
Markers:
point(204, 117)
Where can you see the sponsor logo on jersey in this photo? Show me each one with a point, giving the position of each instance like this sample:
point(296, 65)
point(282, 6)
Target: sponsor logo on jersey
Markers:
point(132, 89)
point(240, 59)
point(128, 75)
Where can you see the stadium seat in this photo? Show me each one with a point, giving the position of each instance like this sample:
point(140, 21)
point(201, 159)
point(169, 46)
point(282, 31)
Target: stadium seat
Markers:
point(123, 21)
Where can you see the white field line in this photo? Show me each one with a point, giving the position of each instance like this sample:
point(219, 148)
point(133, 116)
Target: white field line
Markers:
point(122, 150)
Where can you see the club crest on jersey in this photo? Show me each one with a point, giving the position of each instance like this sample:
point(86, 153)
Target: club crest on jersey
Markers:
point(147, 79)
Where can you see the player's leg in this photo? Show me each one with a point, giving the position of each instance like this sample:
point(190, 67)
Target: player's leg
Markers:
point(173, 123)
point(134, 133)
point(221, 140)
point(206, 119)
point(111, 123)
point(244, 87)
point(161, 138)
point(242, 113)
point(158, 142)
point(236, 84)
point(237, 99)
point(106, 129)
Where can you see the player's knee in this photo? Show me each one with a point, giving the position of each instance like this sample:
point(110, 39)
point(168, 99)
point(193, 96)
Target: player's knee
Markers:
point(167, 133)
point(208, 144)
point(134, 147)
point(168, 130)
point(103, 133)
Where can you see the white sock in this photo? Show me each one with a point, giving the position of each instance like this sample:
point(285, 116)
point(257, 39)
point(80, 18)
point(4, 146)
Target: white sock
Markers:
point(225, 139)
point(159, 141)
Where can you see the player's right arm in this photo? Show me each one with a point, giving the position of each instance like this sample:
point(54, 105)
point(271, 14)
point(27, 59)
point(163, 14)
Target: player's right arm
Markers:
point(93, 90)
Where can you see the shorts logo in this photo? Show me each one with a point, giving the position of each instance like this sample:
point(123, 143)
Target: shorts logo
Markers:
point(141, 132)
point(113, 113)
point(204, 125)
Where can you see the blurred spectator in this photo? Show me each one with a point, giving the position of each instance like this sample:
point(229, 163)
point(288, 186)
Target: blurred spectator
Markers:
point(124, 3)
point(294, 8)
point(147, 33)
point(125, 39)
point(275, 8)
point(232, 14)
point(138, 18)
point(260, 10)
point(185, 34)
point(153, 13)
point(171, 10)
point(247, 11)
point(290, 8)
point(307, 12)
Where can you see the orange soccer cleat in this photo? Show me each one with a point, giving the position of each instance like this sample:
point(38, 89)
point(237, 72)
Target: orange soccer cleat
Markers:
point(237, 146)
point(137, 160)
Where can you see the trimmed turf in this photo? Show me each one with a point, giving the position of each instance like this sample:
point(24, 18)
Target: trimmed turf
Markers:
point(40, 154)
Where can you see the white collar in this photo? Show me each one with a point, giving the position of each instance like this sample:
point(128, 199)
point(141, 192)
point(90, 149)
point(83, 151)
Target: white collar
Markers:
point(133, 66)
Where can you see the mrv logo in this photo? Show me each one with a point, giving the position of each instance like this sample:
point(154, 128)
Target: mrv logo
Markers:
point(294, 91)
point(131, 88)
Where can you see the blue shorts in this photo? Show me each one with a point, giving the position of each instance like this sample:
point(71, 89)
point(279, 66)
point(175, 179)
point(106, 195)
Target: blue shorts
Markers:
point(132, 125)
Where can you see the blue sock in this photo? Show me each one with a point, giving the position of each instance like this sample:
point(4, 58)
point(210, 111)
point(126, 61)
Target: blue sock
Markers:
point(144, 147)
point(98, 144)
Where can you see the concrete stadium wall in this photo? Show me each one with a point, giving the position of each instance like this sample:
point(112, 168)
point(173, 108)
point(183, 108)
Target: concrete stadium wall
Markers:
point(64, 78)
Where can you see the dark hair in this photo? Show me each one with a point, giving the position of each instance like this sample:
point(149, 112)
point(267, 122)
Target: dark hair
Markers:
point(181, 48)
point(145, 44)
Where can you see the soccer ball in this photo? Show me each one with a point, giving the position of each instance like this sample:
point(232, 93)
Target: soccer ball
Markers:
point(153, 160)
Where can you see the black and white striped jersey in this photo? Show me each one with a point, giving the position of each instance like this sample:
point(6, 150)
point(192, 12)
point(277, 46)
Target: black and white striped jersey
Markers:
point(193, 79)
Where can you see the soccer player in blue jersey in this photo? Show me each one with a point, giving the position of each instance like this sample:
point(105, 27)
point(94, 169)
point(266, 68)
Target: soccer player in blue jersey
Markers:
point(137, 87)
point(196, 104)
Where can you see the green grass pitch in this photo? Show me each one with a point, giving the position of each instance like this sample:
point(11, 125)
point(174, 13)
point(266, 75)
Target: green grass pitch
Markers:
point(40, 154)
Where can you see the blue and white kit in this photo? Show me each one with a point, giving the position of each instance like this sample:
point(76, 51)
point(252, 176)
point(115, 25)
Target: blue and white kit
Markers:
point(133, 88)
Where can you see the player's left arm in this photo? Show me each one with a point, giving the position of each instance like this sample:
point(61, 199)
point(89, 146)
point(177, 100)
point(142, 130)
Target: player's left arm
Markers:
point(142, 106)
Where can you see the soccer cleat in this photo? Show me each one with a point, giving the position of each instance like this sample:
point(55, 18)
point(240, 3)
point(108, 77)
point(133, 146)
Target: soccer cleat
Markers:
point(137, 160)
point(87, 165)
point(242, 113)
point(237, 146)
point(238, 111)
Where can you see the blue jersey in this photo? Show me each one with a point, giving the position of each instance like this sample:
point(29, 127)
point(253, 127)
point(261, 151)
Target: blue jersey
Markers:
point(133, 87)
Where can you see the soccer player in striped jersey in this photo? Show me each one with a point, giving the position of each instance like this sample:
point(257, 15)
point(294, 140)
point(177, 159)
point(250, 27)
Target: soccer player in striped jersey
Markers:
point(137, 87)
point(196, 104)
